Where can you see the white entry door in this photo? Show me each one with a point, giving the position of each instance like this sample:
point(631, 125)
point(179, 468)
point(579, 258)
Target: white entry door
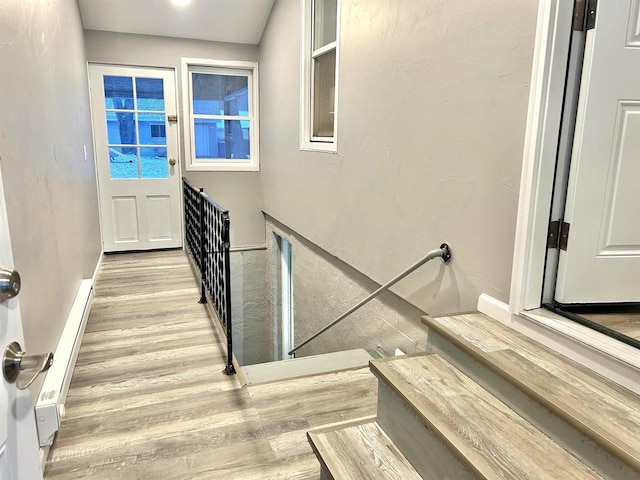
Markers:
point(601, 263)
point(137, 157)
point(19, 450)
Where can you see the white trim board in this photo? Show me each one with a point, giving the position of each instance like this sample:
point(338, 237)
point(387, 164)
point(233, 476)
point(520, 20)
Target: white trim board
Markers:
point(614, 360)
point(550, 58)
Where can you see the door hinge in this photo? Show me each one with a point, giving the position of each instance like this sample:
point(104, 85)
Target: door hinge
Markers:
point(590, 22)
point(584, 15)
point(564, 236)
point(554, 234)
point(558, 235)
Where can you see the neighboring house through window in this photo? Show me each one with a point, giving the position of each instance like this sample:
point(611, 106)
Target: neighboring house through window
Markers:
point(221, 104)
point(320, 48)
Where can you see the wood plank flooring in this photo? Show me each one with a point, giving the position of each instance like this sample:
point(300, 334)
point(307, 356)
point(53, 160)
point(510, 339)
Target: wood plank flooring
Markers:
point(625, 323)
point(148, 399)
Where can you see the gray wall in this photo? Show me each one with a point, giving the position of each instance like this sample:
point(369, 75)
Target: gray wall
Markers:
point(237, 191)
point(50, 187)
point(432, 107)
point(249, 302)
point(324, 287)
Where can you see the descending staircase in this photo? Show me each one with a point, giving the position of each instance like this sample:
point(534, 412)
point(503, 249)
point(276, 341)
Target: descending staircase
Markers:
point(486, 402)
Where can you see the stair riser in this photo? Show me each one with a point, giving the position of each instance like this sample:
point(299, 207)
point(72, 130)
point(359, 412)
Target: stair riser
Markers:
point(563, 433)
point(421, 447)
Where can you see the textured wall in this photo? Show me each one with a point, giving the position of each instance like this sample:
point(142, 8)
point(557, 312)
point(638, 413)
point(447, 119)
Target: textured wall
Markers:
point(325, 287)
point(251, 330)
point(50, 187)
point(432, 106)
point(237, 191)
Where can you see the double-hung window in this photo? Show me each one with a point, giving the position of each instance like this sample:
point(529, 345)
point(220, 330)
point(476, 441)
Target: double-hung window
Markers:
point(221, 105)
point(319, 102)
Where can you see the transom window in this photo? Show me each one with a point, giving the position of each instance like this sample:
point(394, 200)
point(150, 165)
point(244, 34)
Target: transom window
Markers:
point(320, 66)
point(222, 126)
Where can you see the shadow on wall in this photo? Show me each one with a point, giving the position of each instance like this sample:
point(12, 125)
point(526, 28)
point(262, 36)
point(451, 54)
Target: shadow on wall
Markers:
point(325, 287)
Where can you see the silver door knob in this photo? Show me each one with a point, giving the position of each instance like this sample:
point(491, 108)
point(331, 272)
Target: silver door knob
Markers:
point(22, 369)
point(172, 161)
point(9, 284)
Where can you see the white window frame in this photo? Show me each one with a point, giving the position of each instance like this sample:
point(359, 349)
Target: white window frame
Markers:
point(307, 140)
point(231, 67)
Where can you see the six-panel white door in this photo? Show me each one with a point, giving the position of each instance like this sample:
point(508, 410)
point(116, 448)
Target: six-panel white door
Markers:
point(137, 157)
point(602, 260)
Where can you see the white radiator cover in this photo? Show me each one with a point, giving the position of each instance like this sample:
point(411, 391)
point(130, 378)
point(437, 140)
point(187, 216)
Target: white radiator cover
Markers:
point(50, 404)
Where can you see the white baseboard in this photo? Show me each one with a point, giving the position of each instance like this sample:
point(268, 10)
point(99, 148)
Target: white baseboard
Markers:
point(50, 403)
point(604, 355)
point(95, 270)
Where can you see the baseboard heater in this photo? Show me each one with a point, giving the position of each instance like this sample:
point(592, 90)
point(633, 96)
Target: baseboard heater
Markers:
point(50, 405)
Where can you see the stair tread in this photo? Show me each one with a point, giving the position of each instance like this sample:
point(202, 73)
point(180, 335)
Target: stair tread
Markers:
point(360, 451)
point(600, 409)
point(487, 436)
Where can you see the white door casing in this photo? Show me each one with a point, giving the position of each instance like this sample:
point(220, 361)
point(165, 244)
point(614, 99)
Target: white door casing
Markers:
point(19, 453)
point(602, 261)
point(139, 188)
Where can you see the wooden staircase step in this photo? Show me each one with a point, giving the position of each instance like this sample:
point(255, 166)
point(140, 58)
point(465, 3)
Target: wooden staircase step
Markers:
point(359, 451)
point(485, 435)
point(599, 409)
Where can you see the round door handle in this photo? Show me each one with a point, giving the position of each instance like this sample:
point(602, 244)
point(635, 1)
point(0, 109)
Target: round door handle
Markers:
point(172, 161)
point(22, 369)
point(9, 284)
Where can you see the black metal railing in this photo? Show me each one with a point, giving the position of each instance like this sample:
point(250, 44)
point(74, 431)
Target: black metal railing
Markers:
point(207, 239)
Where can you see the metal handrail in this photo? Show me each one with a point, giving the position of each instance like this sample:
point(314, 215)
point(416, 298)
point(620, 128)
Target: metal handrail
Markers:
point(443, 252)
point(206, 263)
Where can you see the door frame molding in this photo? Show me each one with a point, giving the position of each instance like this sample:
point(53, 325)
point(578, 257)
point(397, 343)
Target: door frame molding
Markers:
point(179, 155)
point(548, 76)
point(615, 361)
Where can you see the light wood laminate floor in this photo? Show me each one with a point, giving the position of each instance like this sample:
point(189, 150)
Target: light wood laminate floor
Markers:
point(148, 399)
point(625, 323)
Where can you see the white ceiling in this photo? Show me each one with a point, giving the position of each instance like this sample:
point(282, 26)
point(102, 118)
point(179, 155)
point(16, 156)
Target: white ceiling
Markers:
point(235, 21)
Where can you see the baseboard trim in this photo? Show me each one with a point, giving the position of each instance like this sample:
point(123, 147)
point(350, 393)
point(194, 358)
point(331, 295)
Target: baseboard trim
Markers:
point(49, 406)
point(97, 269)
point(614, 360)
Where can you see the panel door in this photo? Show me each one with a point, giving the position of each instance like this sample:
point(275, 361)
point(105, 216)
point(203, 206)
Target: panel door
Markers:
point(602, 260)
point(136, 157)
point(19, 447)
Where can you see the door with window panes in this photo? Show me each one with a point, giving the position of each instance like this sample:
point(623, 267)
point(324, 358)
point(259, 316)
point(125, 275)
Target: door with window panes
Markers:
point(136, 146)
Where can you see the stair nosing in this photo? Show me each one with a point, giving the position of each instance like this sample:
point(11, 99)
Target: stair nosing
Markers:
point(557, 410)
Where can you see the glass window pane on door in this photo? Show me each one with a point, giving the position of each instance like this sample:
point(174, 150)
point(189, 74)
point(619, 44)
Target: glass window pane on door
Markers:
point(118, 93)
point(153, 162)
point(152, 129)
point(123, 162)
point(221, 139)
point(136, 127)
point(220, 94)
point(121, 128)
point(324, 94)
point(150, 94)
